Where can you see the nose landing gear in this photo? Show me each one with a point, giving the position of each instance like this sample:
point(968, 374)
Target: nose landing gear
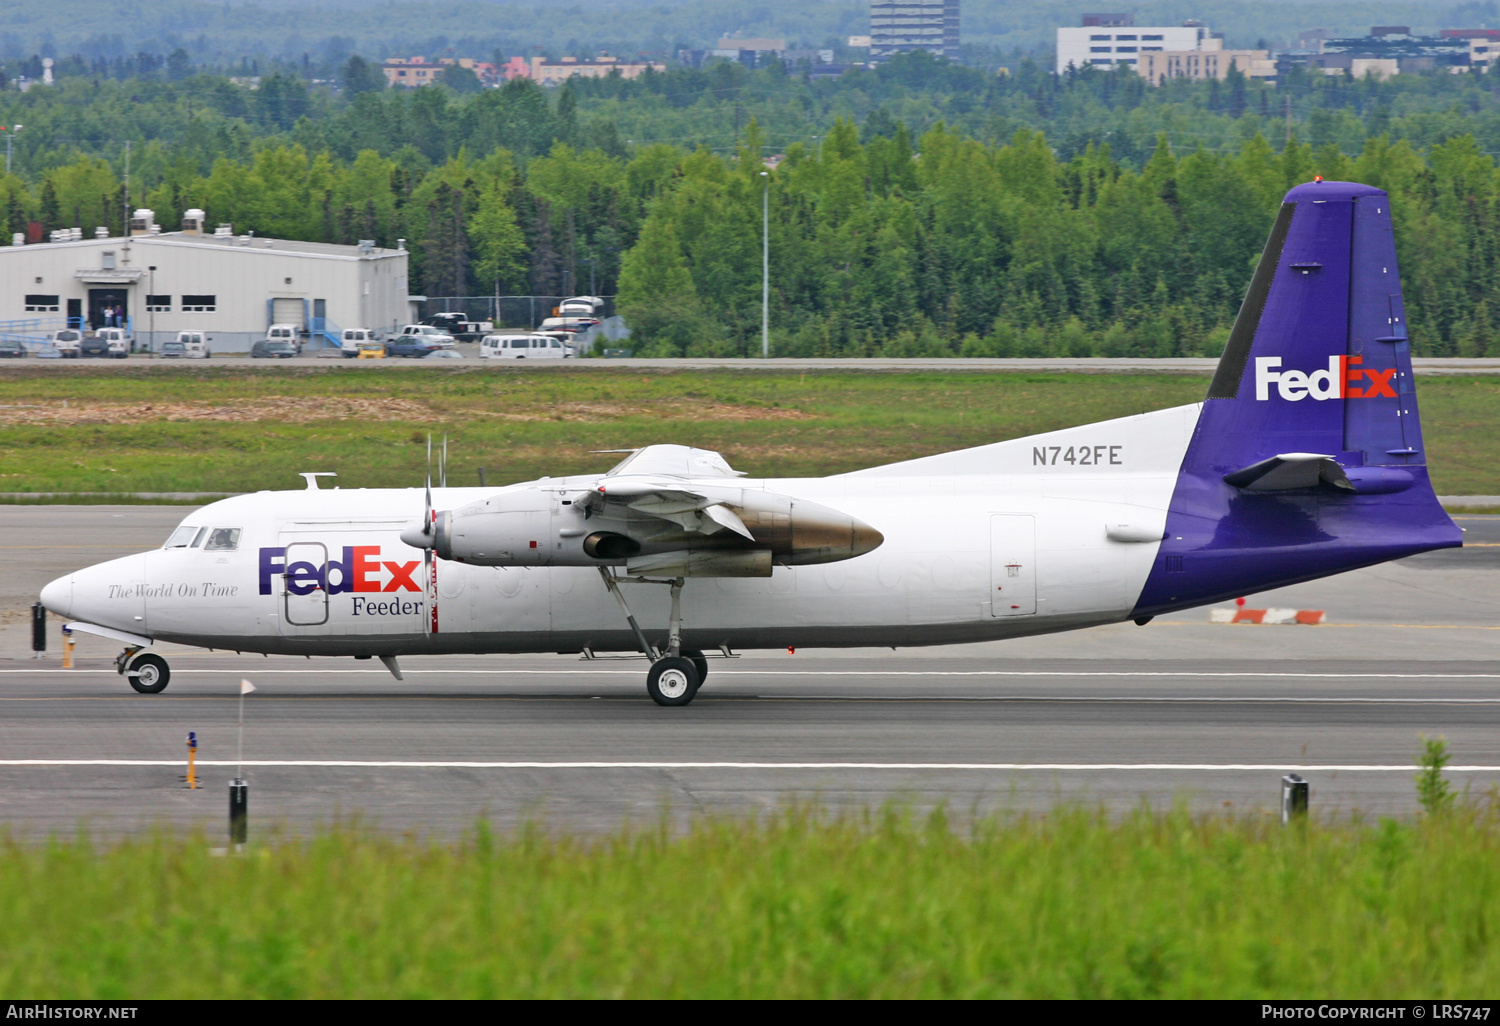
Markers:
point(147, 672)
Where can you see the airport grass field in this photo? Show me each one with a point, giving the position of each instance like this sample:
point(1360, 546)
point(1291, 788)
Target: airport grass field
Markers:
point(212, 429)
point(795, 904)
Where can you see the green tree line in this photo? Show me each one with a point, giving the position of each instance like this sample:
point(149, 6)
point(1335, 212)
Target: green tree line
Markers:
point(886, 237)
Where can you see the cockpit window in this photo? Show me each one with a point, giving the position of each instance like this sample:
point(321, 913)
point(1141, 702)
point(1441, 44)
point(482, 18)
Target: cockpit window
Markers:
point(181, 538)
point(223, 539)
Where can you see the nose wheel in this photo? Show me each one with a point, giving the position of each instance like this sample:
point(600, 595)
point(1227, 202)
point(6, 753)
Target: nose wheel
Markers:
point(147, 672)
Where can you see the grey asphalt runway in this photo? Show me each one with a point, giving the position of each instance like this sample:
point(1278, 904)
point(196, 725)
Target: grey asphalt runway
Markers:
point(1178, 710)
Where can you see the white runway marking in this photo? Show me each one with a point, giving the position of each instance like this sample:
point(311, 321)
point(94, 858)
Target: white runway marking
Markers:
point(902, 766)
point(1254, 674)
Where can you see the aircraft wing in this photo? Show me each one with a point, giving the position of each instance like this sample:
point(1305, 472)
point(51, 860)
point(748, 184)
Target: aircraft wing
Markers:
point(686, 504)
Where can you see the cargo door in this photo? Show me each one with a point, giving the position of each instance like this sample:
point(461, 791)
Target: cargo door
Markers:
point(1012, 565)
point(288, 311)
point(304, 590)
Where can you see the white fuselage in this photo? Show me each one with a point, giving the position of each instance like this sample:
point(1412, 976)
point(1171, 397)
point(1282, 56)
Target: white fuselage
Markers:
point(1039, 534)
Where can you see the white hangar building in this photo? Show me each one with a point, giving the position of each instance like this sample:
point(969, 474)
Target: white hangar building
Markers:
point(231, 286)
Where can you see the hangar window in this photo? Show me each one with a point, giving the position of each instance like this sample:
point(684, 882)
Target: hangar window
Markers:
point(200, 304)
point(41, 304)
point(158, 304)
point(223, 539)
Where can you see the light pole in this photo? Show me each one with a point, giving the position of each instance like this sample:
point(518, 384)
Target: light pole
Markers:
point(10, 133)
point(765, 265)
point(593, 288)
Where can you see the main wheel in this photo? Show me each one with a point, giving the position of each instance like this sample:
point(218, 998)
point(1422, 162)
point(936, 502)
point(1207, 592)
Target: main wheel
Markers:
point(672, 681)
point(149, 674)
point(699, 663)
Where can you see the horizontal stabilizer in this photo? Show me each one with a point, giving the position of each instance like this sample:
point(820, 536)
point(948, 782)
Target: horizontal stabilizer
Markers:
point(1290, 470)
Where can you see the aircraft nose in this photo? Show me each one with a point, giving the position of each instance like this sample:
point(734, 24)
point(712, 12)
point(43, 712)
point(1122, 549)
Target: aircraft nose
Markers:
point(58, 596)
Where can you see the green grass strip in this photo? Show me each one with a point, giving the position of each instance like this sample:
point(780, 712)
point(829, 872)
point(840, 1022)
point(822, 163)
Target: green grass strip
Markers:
point(795, 904)
point(151, 429)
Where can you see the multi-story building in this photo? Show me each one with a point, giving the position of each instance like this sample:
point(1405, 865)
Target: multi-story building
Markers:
point(901, 26)
point(1110, 44)
point(550, 72)
point(1209, 62)
point(411, 72)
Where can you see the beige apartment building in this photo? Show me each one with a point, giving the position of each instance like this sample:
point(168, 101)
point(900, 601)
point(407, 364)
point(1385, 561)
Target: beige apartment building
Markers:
point(1160, 65)
point(549, 72)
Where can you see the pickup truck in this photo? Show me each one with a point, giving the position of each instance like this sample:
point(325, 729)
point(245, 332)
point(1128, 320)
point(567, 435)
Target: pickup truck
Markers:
point(459, 326)
point(432, 338)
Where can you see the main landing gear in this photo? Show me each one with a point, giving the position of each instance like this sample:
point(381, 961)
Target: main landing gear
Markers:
point(147, 672)
point(677, 673)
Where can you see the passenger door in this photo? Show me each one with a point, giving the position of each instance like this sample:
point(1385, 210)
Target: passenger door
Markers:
point(304, 595)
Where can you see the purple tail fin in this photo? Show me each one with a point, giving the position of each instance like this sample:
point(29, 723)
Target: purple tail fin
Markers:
point(1307, 459)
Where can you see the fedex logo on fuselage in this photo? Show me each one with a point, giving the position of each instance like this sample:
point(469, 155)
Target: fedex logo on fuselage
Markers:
point(360, 569)
point(1344, 379)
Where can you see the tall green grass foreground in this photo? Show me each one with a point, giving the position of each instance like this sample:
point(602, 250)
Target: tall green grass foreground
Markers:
point(796, 904)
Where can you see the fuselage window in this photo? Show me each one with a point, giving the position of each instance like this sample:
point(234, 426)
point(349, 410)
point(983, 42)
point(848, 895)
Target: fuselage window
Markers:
point(223, 539)
point(181, 538)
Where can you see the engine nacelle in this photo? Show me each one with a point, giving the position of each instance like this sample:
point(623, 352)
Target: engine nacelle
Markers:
point(537, 527)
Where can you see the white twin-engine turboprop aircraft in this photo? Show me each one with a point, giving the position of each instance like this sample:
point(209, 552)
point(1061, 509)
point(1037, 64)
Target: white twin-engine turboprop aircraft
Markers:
point(1304, 460)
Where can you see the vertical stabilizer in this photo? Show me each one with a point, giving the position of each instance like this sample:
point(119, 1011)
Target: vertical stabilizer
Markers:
point(1307, 459)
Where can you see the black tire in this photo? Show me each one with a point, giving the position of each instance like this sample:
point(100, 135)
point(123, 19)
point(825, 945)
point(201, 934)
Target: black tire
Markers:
point(149, 674)
point(699, 663)
point(672, 681)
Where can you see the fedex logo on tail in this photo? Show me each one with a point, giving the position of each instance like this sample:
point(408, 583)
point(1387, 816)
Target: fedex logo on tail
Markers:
point(360, 569)
point(1343, 379)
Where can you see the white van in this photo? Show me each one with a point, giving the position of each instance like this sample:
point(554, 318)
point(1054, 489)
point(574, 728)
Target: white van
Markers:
point(188, 345)
point(522, 347)
point(351, 338)
point(118, 340)
point(288, 333)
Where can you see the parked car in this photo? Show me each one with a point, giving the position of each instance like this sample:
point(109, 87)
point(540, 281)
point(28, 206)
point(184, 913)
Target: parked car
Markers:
point(117, 341)
point(522, 347)
point(371, 351)
point(94, 345)
point(273, 349)
point(352, 341)
point(434, 337)
point(188, 345)
point(459, 326)
point(67, 341)
point(288, 333)
point(412, 345)
point(444, 354)
point(10, 347)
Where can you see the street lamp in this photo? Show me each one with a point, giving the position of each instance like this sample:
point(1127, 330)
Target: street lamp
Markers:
point(10, 133)
point(765, 265)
